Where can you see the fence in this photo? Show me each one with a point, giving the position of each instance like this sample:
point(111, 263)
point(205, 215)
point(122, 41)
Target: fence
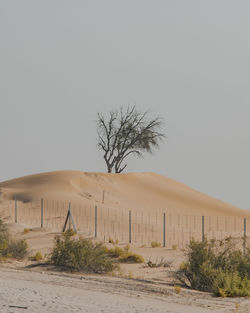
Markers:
point(134, 226)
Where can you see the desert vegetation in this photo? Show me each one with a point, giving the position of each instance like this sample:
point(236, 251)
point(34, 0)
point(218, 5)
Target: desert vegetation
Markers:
point(37, 256)
point(81, 255)
point(155, 244)
point(9, 247)
point(217, 266)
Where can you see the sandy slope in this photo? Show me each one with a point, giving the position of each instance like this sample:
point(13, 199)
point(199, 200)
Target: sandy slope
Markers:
point(136, 190)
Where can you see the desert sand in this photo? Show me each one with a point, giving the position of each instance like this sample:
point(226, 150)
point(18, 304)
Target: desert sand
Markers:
point(110, 198)
point(133, 190)
point(28, 291)
point(27, 286)
point(136, 287)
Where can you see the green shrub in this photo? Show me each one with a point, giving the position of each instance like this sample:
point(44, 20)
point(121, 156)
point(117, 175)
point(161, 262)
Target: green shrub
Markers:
point(131, 258)
point(155, 244)
point(177, 289)
point(231, 285)
point(81, 255)
point(9, 247)
point(174, 247)
point(4, 238)
point(115, 252)
point(17, 249)
point(37, 257)
point(216, 267)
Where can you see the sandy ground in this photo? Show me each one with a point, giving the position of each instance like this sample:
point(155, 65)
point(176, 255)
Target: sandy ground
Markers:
point(136, 287)
point(27, 291)
point(140, 289)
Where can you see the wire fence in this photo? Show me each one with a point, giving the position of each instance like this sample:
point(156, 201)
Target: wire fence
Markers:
point(140, 227)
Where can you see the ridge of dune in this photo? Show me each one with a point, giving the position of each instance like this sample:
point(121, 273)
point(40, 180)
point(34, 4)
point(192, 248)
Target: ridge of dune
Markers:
point(147, 191)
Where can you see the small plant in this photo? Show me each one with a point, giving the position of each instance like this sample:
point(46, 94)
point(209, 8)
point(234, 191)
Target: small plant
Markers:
point(37, 257)
point(111, 240)
point(26, 231)
point(115, 252)
point(121, 273)
point(159, 263)
point(116, 241)
point(168, 263)
point(131, 258)
point(127, 248)
point(155, 244)
point(70, 232)
point(237, 306)
point(156, 263)
point(130, 274)
point(143, 246)
point(10, 247)
point(17, 249)
point(177, 289)
point(174, 247)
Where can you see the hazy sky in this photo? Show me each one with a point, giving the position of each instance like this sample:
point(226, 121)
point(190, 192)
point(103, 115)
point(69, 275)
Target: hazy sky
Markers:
point(188, 61)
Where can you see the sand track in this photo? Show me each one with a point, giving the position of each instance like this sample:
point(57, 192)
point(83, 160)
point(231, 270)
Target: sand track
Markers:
point(52, 292)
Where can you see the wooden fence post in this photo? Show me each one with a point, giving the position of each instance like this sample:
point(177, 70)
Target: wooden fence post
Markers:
point(42, 212)
point(15, 210)
point(245, 236)
point(164, 229)
point(130, 229)
point(95, 221)
point(203, 229)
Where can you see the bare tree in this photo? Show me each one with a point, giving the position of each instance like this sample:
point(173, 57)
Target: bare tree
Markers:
point(127, 132)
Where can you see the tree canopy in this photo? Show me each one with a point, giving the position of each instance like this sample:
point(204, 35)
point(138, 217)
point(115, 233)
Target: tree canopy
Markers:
point(123, 133)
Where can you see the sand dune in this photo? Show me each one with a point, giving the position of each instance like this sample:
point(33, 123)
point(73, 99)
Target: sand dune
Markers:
point(133, 190)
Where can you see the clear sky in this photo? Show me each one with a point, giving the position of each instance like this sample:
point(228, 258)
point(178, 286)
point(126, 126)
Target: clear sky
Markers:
point(188, 61)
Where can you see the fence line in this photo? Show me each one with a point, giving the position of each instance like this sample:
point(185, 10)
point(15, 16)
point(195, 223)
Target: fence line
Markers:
point(139, 227)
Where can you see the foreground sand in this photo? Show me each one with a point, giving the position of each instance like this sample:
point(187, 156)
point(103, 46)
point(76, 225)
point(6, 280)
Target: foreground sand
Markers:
point(43, 289)
point(53, 292)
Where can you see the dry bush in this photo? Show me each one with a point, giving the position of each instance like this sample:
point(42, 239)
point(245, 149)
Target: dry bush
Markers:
point(159, 263)
point(155, 244)
point(26, 231)
point(218, 267)
point(9, 247)
point(81, 255)
point(123, 255)
point(127, 248)
point(115, 252)
point(37, 257)
point(177, 289)
point(131, 258)
point(17, 249)
point(111, 241)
